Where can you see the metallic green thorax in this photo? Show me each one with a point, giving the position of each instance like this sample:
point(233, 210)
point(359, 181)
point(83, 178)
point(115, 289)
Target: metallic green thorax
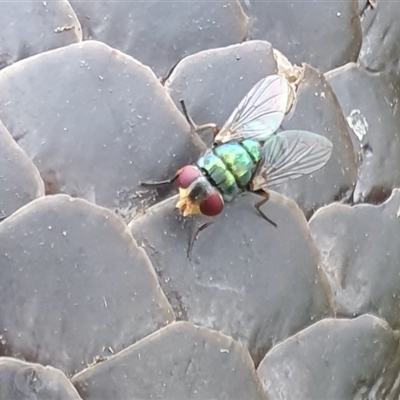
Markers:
point(230, 166)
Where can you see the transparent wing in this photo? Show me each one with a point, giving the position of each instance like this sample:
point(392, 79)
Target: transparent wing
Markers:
point(259, 114)
point(290, 155)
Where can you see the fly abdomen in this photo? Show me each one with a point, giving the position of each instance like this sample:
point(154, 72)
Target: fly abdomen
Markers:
point(240, 159)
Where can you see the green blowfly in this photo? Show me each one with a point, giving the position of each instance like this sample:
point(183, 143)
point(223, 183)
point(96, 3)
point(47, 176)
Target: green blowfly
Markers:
point(248, 154)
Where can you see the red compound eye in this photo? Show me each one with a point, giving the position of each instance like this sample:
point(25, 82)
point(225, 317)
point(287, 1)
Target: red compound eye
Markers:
point(212, 205)
point(187, 175)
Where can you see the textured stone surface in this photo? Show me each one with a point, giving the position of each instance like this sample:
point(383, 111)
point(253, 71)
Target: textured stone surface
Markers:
point(334, 359)
point(102, 124)
point(325, 34)
point(246, 278)
point(370, 104)
point(160, 33)
point(181, 361)
point(21, 380)
point(360, 254)
point(30, 27)
point(380, 49)
point(74, 286)
point(20, 181)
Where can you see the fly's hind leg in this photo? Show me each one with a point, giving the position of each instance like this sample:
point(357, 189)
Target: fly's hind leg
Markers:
point(259, 204)
point(198, 128)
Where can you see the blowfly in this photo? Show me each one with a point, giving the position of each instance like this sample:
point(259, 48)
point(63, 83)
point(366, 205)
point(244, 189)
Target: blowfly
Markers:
point(248, 154)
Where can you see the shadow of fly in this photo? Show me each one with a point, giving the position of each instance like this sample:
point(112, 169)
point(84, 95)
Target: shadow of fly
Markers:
point(248, 154)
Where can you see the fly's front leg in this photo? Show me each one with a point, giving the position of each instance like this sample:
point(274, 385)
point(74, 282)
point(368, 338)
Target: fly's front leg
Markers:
point(159, 183)
point(258, 205)
point(194, 235)
point(198, 128)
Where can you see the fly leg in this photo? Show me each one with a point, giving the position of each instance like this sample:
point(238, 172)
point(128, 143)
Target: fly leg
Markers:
point(194, 235)
point(198, 128)
point(259, 204)
point(159, 183)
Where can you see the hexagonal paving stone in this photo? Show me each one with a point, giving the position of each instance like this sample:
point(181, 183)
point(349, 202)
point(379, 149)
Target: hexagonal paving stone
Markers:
point(160, 33)
point(246, 278)
point(21, 380)
point(369, 102)
point(181, 361)
point(102, 123)
point(334, 359)
point(325, 34)
point(360, 254)
point(379, 50)
point(30, 27)
point(74, 286)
